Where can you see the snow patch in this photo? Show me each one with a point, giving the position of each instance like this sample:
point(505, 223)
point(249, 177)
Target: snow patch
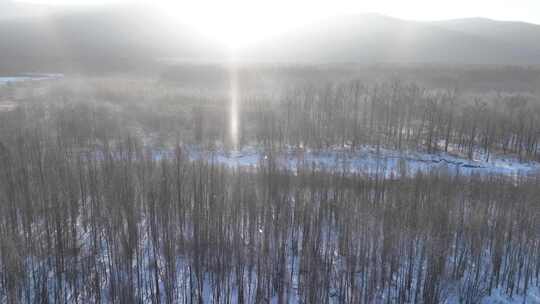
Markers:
point(366, 159)
point(29, 77)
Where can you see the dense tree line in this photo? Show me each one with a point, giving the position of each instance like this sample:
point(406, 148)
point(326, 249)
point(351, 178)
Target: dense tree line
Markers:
point(398, 115)
point(318, 115)
point(112, 223)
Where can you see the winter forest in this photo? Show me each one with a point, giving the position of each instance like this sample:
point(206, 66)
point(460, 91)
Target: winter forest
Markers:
point(130, 191)
point(269, 152)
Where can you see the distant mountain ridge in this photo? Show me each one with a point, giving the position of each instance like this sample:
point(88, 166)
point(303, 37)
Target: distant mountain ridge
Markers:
point(97, 39)
point(377, 38)
point(522, 34)
point(119, 37)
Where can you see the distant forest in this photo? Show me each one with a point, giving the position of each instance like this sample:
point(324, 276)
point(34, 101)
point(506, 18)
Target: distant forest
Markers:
point(317, 113)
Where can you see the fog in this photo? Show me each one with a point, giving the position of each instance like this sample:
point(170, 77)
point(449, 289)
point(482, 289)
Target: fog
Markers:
point(276, 152)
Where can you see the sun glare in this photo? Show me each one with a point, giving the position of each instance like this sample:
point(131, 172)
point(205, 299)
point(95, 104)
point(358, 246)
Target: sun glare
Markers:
point(242, 23)
point(234, 27)
point(234, 108)
point(239, 23)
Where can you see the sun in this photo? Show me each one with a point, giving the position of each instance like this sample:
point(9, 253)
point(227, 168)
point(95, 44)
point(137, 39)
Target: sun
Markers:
point(235, 25)
point(239, 23)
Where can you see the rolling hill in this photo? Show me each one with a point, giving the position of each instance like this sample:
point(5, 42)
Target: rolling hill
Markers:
point(376, 38)
point(97, 39)
point(119, 37)
point(519, 34)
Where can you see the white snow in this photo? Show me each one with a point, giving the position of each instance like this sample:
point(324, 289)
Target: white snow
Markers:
point(29, 77)
point(366, 159)
point(498, 296)
point(7, 106)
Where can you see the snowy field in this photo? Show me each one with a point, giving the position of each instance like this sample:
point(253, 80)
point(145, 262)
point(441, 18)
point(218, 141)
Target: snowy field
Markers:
point(29, 77)
point(499, 297)
point(366, 160)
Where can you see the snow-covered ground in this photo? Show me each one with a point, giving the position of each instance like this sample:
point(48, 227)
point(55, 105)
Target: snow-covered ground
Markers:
point(499, 297)
point(7, 106)
point(29, 77)
point(366, 159)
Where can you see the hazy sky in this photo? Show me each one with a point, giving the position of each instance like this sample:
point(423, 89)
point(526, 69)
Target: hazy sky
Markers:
point(525, 10)
point(240, 21)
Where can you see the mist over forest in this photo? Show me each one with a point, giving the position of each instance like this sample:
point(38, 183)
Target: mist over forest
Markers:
point(356, 158)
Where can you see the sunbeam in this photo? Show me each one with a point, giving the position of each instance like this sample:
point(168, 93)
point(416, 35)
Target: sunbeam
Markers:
point(233, 114)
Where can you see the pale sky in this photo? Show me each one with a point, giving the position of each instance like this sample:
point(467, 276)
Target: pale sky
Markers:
point(240, 21)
